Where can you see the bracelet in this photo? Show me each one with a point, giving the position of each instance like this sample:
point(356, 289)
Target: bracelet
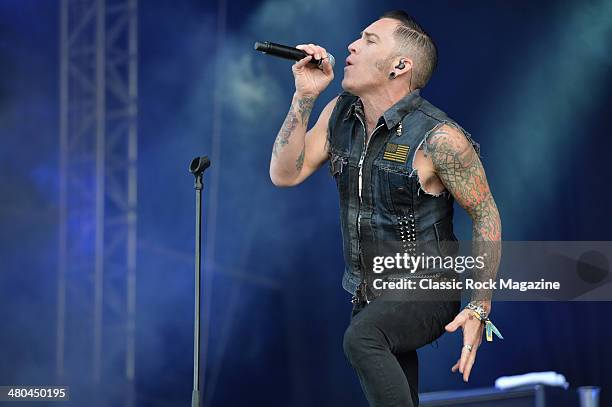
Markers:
point(477, 308)
point(482, 316)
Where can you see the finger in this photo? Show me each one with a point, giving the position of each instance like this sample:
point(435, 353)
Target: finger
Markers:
point(327, 68)
point(311, 49)
point(302, 62)
point(455, 366)
point(451, 326)
point(317, 54)
point(321, 52)
point(315, 51)
point(465, 354)
point(306, 48)
point(473, 336)
point(455, 323)
point(468, 367)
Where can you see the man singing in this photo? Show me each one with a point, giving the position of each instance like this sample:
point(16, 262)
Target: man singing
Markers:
point(399, 163)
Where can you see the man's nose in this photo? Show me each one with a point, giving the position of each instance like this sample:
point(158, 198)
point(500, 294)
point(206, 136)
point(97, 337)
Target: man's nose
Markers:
point(351, 47)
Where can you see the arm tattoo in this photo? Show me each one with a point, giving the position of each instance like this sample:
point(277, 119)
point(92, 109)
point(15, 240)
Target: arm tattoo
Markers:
point(290, 123)
point(459, 168)
point(303, 107)
point(299, 163)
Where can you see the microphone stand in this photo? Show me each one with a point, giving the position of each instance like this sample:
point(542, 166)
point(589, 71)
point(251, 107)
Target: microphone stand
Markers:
point(197, 167)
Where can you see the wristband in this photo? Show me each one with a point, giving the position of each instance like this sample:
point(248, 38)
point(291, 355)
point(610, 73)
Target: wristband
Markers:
point(482, 316)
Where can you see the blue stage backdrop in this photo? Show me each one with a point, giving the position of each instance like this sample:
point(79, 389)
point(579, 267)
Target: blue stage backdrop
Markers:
point(529, 80)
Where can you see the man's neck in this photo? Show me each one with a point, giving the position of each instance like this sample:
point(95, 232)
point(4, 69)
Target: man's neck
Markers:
point(375, 104)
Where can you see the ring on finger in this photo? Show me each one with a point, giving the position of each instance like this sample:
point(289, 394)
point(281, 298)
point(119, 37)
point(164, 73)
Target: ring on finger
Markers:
point(468, 347)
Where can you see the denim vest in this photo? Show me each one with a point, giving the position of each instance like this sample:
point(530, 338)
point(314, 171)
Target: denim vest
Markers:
point(381, 199)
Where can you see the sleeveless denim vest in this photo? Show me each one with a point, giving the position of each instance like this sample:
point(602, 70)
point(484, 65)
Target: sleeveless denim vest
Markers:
point(381, 199)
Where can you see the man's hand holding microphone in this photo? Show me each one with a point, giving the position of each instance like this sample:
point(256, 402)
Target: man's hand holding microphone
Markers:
point(297, 153)
point(311, 80)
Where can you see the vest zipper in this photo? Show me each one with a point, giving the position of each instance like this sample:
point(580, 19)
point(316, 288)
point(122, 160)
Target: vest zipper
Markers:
point(363, 153)
point(366, 143)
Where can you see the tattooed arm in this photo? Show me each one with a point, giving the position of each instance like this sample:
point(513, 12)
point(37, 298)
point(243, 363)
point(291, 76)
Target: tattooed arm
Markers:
point(296, 153)
point(457, 165)
point(460, 170)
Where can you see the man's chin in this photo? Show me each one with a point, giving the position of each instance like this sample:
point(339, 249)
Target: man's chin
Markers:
point(346, 86)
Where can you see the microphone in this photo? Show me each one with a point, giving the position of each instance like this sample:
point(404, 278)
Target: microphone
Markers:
point(291, 53)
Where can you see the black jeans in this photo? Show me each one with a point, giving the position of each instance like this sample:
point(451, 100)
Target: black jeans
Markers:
point(381, 342)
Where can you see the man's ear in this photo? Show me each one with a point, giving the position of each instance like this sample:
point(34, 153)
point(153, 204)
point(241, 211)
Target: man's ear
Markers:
point(402, 66)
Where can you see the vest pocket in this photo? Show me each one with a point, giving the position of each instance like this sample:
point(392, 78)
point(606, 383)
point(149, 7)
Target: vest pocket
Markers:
point(397, 187)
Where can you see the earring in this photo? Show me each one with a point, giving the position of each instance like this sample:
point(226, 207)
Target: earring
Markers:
point(392, 75)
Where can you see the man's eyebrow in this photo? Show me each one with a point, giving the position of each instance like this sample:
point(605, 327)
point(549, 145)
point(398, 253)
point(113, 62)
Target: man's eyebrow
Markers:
point(367, 34)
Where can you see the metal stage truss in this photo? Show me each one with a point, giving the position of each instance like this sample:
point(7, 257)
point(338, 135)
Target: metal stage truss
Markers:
point(98, 187)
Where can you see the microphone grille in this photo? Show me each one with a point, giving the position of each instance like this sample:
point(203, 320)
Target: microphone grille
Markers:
point(332, 60)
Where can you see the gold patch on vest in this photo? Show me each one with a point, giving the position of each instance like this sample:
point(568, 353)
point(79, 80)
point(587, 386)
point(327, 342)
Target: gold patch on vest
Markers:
point(396, 152)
